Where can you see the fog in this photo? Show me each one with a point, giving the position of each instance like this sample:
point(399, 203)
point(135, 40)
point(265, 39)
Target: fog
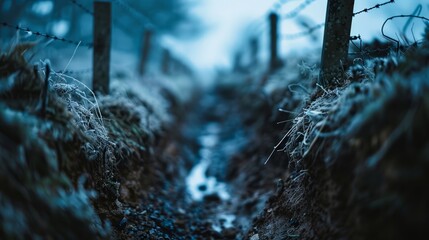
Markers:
point(227, 21)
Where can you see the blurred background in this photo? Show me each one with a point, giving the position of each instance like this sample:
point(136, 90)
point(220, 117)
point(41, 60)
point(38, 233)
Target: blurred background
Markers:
point(205, 36)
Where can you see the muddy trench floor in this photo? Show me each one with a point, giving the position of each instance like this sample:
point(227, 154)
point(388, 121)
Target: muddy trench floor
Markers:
point(217, 200)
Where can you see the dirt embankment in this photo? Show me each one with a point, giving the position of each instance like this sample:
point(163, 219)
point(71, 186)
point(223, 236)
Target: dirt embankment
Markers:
point(75, 166)
point(356, 155)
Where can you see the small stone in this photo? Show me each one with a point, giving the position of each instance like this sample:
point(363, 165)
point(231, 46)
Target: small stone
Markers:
point(127, 212)
point(123, 223)
point(255, 237)
point(118, 203)
point(181, 210)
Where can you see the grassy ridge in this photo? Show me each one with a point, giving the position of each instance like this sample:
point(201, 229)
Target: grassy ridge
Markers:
point(60, 167)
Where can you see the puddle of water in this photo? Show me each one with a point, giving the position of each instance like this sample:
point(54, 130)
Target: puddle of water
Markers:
point(197, 182)
point(199, 185)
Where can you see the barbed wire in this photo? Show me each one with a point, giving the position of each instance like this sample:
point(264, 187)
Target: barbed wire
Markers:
point(304, 33)
point(274, 8)
point(82, 7)
point(297, 10)
point(374, 7)
point(76, 72)
point(354, 38)
point(115, 20)
point(357, 37)
point(46, 35)
point(399, 16)
point(278, 4)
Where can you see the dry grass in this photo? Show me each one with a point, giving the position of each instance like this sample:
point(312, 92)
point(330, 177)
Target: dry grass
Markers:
point(363, 147)
point(49, 160)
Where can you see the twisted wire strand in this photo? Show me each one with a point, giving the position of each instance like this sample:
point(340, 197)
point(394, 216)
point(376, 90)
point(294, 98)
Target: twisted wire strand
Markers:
point(47, 35)
point(76, 72)
point(82, 7)
point(312, 29)
point(278, 4)
point(374, 7)
point(297, 10)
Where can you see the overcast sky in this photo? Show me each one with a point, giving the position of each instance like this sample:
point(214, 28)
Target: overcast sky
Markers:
point(227, 21)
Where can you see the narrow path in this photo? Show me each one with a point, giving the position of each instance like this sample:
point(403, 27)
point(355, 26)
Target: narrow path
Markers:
point(221, 136)
point(186, 197)
point(228, 181)
point(200, 189)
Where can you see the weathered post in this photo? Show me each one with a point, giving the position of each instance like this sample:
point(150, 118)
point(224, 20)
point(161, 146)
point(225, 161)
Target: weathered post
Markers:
point(102, 42)
point(254, 51)
point(166, 61)
point(274, 61)
point(237, 61)
point(335, 48)
point(174, 65)
point(147, 39)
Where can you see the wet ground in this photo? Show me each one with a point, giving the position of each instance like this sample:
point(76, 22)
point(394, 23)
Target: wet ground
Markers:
point(203, 175)
point(208, 185)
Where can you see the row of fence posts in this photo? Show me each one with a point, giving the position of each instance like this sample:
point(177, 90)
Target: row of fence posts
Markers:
point(336, 37)
point(335, 47)
point(102, 32)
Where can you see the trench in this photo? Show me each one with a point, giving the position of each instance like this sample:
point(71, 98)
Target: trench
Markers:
point(220, 174)
point(219, 138)
point(214, 188)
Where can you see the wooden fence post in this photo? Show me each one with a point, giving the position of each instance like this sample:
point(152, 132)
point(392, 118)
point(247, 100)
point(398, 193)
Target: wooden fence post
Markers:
point(147, 39)
point(254, 51)
point(274, 61)
point(102, 43)
point(166, 61)
point(237, 61)
point(339, 14)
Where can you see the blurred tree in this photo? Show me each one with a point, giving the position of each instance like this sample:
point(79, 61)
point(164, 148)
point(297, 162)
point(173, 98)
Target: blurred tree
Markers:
point(72, 19)
point(167, 16)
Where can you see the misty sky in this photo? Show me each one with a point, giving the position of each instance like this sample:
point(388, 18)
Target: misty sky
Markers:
point(227, 21)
